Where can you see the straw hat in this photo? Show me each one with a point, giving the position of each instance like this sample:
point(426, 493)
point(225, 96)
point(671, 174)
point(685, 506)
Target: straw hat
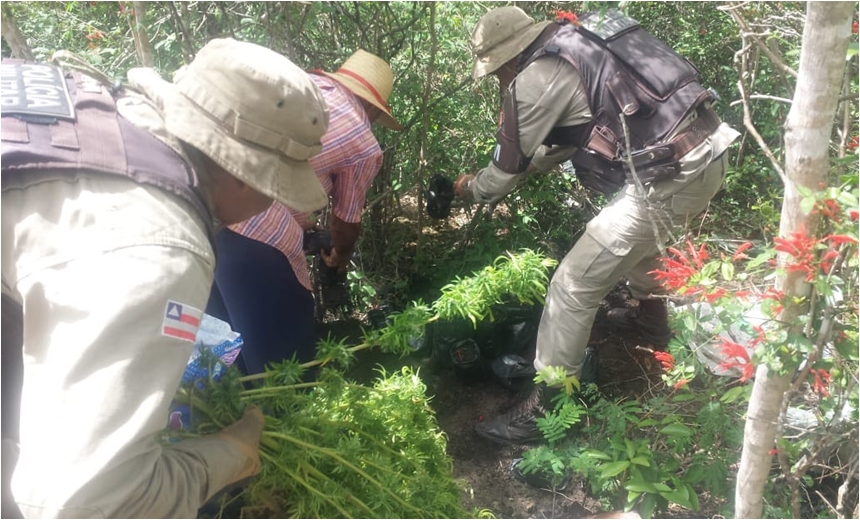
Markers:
point(500, 36)
point(257, 115)
point(369, 77)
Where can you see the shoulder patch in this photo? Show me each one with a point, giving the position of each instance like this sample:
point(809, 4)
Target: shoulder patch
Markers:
point(181, 321)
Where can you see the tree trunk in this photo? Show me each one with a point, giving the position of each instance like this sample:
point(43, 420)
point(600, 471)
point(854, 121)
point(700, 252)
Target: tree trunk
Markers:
point(138, 31)
point(12, 35)
point(807, 137)
point(428, 90)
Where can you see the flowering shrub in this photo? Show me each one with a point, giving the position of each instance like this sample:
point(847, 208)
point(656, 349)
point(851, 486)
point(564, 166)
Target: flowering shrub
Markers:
point(738, 288)
point(731, 307)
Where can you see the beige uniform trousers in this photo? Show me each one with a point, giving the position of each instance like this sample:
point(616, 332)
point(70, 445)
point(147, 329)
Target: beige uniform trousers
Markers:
point(94, 261)
point(620, 241)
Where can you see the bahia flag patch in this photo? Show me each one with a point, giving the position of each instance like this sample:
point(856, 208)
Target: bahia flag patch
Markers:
point(181, 321)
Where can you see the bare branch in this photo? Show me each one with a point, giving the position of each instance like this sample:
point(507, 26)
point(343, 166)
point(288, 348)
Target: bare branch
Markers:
point(748, 124)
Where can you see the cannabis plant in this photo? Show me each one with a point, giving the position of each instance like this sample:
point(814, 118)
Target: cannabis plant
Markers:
point(332, 448)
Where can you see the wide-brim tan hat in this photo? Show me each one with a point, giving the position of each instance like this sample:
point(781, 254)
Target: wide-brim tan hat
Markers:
point(257, 115)
point(501, 35)
point(369, 77)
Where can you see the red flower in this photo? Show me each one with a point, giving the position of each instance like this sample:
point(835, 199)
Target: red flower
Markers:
point(698, 256)
point(830, 209)
point(680, 383)
point(665, 359)
point(840, 239)
point(567, 15)
point(777, 296)
point(801, 248)
point(736, 357)
point(678, 268)
point(774, 451)
point(715, 295)
point(854, 214)
point(822, 381)
point(739, 254)
point(826, 260)
point(854, 28)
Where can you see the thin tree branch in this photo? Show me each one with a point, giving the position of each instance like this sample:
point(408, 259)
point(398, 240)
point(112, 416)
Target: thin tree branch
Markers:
point(740, 59)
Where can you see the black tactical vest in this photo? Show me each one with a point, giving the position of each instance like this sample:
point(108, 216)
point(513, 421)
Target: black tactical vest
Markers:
point(67, 122)
point(625, 70)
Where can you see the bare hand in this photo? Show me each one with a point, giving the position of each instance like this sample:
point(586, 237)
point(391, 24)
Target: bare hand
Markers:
point(334, 258)
point(463, 187)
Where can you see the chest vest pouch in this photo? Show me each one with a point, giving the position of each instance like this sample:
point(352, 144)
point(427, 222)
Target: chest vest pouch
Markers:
point(35, 93)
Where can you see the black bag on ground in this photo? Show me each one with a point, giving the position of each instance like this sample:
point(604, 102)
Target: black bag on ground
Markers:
point(502, 347)
point(513, 331)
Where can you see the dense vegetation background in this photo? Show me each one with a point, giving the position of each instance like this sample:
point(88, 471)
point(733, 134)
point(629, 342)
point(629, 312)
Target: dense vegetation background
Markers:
point(449, 120)
point(748, 52)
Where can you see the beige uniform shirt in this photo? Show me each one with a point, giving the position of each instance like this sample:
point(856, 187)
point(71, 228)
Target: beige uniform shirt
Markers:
point(549, 94)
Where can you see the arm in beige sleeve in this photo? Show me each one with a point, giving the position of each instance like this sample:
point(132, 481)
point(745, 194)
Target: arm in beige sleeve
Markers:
point(549, 94)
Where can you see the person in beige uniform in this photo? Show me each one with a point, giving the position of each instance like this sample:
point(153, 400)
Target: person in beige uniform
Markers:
point(563, 103)
point(109, 204)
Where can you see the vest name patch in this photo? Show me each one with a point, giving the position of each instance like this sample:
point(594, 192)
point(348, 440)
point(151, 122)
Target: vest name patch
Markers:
point(35, 90)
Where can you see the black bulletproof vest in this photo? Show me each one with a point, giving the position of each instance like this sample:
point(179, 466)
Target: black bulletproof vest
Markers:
point(47, 128)
point(625, 70)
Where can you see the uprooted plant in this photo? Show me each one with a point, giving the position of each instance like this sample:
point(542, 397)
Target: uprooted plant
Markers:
point(332, 448)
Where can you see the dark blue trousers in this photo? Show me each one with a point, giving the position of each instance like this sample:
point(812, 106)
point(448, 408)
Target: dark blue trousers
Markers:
point(257, 292)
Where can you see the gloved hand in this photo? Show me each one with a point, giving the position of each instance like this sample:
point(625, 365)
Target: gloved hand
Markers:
point(245, 435)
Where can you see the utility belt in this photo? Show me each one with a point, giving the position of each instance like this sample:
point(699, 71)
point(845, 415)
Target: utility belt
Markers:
point(653, 163)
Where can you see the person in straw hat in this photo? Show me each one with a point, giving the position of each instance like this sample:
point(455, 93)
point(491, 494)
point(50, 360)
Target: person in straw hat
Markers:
point(262, 278)
point(110, 198)
point(570, 94)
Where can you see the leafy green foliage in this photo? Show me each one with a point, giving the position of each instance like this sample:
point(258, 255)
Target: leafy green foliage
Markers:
point(335, 449)
point(631, 453)
point(522, 277)
point(342, 450)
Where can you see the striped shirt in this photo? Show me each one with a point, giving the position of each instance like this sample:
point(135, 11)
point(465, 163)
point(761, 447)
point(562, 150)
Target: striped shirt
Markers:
point(349, 160)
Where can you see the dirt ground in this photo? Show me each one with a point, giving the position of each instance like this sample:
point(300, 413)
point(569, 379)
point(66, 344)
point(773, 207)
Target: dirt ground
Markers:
point(626, 367)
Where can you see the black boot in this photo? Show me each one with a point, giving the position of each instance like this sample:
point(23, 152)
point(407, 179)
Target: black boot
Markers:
point(519, 426)
point(588, 373)
point(650, 319)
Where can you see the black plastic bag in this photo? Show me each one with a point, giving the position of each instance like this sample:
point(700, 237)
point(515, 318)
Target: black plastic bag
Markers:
point(513, 331)
point(510, 369)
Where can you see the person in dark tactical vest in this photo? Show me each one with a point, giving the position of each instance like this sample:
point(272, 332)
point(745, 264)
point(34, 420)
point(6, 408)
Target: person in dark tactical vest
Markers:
point(636, 123)
point(111, 195)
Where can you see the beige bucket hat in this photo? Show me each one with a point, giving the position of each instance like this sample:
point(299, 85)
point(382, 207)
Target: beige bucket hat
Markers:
point(256, 114)
point(369, 77)
point(500, 36)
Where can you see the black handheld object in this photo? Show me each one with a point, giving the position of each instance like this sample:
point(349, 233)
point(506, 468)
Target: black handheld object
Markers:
point(314, 241)
point(439, 195)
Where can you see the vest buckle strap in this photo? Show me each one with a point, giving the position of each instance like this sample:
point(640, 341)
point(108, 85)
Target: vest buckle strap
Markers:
point(695, 134)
